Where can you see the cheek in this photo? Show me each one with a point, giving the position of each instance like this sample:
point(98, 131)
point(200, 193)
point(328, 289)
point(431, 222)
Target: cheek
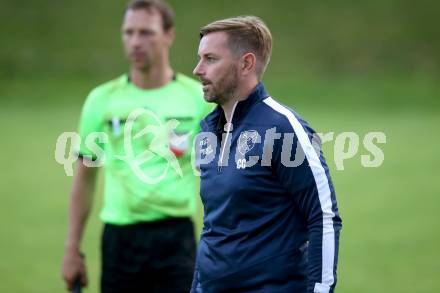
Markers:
point(156, 46)
point(224, 72)
point(126, 42)
point(217, 71)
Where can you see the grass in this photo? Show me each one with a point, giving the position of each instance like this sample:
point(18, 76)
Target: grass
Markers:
point(390, 235)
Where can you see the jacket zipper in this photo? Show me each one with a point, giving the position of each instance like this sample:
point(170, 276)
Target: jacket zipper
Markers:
point(228, 130)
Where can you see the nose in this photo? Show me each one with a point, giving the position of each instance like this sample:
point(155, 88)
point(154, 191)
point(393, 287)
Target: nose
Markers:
point(198, 69)
point(136, 41)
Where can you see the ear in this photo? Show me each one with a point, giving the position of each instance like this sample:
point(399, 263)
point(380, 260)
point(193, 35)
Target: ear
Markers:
point(170, 34)
point(248, 63)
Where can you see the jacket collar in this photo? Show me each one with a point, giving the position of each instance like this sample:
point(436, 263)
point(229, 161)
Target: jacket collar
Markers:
point(216, 120)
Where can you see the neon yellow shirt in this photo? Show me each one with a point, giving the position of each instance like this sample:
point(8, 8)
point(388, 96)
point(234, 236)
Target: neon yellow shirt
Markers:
point(147, 163)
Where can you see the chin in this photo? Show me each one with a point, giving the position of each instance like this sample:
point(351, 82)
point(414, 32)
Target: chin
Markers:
point(141, 66)
point(210, 98)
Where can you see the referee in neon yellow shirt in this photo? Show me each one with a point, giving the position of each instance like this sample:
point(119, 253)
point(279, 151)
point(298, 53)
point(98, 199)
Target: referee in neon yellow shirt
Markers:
point(149, 197)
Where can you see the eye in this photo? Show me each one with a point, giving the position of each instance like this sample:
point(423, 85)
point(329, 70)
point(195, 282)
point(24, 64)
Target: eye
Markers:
point(210, 59)
point(146, 33)
point(128, 32)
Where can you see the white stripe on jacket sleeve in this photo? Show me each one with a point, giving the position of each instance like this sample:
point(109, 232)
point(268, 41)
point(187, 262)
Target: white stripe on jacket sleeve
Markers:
point(322, 185)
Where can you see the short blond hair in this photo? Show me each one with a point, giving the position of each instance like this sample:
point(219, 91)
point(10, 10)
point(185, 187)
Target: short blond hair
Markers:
point(245, 34)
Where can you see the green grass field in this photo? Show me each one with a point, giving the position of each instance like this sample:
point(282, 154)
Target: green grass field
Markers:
point(390, 236)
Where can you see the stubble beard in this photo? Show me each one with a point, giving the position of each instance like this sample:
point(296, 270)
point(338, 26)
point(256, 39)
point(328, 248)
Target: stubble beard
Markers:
point(224, 90)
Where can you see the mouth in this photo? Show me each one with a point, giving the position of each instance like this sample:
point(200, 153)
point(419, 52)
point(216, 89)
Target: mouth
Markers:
point(205, 83)
point(205, 86)
point(137, 56)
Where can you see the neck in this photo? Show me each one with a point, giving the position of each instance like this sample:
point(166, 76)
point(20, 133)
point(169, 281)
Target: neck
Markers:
point(154, 77)
point(227, 109)
point(240, 94)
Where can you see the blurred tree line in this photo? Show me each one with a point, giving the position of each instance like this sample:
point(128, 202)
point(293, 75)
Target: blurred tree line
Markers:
point(338, 37)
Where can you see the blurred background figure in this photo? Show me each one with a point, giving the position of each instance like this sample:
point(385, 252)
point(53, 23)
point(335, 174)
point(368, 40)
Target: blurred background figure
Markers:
point(149, 198)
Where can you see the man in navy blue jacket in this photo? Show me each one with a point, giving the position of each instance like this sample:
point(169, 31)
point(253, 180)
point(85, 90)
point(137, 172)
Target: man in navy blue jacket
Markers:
point(271, 220)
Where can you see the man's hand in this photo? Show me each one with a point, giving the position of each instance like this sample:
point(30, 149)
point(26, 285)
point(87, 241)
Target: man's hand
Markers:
point(74, 268)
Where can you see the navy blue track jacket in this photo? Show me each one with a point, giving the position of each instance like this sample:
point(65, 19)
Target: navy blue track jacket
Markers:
point(271, 223)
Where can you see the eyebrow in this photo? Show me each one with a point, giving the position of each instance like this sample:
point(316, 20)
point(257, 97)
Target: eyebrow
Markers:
point(209, 54)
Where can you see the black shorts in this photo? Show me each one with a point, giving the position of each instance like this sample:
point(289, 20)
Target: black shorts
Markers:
point(148, 257)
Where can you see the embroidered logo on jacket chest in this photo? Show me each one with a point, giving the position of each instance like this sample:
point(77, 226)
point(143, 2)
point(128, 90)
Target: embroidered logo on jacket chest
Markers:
point(246, 142)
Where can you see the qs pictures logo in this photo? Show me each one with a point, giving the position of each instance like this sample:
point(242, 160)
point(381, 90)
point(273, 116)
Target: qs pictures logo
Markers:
point(145, 138)
point(158, 145)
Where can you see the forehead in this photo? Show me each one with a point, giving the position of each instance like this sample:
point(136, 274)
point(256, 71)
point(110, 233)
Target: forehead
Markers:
point(214, 43)
point(142, 18)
